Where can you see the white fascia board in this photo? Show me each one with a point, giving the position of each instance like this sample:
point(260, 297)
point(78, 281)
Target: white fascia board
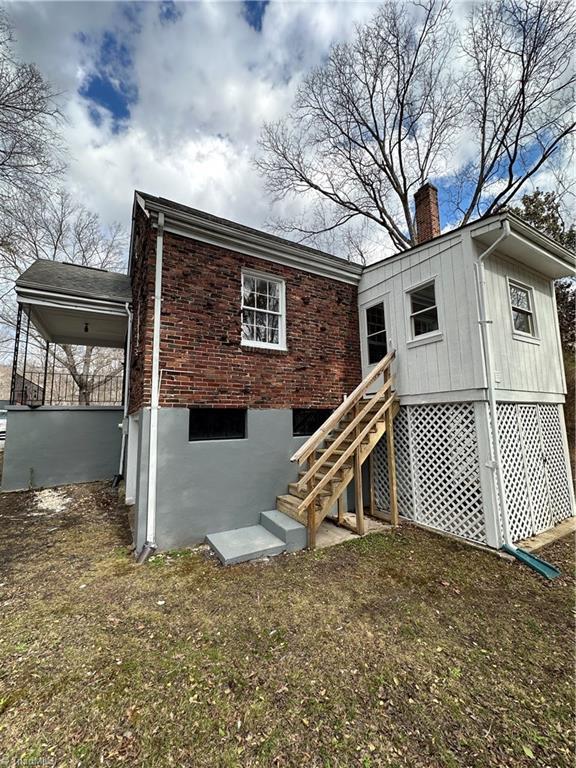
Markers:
point(543, 254)
point(257, 245)
point(64, 301)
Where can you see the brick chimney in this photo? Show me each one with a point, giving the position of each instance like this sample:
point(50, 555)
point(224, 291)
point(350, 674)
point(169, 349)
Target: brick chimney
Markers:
point(427, 213)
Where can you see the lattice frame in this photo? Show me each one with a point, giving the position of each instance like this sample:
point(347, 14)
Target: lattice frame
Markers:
point(403, 468)
point(437, 469)
point(534, 465)
point(559, 480)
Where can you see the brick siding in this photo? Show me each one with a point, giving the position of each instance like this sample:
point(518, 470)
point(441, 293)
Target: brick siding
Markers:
point(202, 360)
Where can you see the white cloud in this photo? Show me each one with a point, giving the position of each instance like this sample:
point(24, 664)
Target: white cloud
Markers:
point(205, 82)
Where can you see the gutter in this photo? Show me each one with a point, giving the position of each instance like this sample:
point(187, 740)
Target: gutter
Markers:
point(150, 544)
point(495, 462)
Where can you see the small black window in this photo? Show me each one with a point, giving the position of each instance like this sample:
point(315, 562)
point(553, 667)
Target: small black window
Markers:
point(217, 423)
point(305, 421)
point(376, 333)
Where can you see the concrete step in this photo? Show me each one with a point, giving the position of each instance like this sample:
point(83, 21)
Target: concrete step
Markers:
point(249, 543)
point(285, 528)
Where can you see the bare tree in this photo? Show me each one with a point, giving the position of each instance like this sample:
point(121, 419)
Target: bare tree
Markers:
point(407, 98)
point(30, 145)
point(55, 228)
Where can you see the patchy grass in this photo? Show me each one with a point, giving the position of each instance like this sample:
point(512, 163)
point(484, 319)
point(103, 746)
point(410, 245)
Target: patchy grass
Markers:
point(399, 650)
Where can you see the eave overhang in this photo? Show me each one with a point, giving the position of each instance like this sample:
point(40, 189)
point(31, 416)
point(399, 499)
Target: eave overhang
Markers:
point(526, 245)
point(205, 228)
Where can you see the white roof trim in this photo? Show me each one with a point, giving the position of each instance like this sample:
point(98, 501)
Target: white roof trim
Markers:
point(256, 244)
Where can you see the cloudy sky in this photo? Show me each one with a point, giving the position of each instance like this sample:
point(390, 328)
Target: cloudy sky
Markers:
point(170, 98)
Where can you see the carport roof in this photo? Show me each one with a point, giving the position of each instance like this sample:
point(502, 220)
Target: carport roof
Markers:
point(71, 304)
point(76, 280)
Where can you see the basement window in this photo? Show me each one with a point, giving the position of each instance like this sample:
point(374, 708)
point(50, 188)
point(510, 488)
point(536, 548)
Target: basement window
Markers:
point(263, 311)
point(217, 424)
point(521, 304)
point(423, 310)
point(305, 421)
point(376, 333)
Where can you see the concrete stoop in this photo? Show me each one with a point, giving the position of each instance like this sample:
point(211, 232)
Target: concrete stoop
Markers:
point(275, 534)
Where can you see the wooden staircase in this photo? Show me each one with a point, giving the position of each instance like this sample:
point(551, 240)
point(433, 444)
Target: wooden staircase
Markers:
point(332, 458)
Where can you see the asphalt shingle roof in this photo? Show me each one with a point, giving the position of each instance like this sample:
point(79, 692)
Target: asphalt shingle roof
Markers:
point(75, 280)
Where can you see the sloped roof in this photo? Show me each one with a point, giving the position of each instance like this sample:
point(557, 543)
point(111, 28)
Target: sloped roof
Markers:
point(75, 280)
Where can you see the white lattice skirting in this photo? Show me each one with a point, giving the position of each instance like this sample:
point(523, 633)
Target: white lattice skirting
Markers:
point(437, 467)
point(535, 467)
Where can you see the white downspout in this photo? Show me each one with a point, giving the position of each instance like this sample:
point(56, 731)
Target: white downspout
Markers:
point(495, 458)
point(126, 391)
point(154, 399)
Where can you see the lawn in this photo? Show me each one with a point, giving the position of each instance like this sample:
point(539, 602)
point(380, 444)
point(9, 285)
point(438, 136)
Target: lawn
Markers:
point(403, 649)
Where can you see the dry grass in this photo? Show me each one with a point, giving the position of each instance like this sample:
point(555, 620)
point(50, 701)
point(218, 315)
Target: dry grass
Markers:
point(396, 650)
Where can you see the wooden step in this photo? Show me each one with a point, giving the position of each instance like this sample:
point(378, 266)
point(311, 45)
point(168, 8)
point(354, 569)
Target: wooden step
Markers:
point(302, 493)
point(288, 504)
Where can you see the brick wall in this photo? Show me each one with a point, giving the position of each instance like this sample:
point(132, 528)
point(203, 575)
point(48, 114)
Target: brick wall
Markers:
point(142, 312)
point(202, 360)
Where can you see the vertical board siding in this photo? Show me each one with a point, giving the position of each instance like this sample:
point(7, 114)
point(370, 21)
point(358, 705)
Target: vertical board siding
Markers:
point(523, 366)
point(451, 364)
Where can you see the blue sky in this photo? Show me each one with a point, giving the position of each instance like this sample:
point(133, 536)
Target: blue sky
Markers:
point(170, 98)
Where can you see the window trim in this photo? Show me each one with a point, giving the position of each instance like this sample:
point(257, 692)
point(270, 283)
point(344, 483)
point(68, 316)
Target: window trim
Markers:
point(364, 309)
point(413, 339)
point(522, 335)
point(213, 439)
point(281, 346)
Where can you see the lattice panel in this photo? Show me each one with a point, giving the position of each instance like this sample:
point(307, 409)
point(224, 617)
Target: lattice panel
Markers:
point(403, 469)
point(446, 469)
point(534, 466)
point(517, 499)
point(556, 464)
point(530, 437)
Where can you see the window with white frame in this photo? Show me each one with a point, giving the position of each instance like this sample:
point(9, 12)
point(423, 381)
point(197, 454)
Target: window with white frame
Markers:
point(423, 310)
point(522, 307)
point(263, 311)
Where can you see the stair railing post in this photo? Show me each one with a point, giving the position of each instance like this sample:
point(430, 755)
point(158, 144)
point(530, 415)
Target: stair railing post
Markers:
point(310, 512)
point(391, 455)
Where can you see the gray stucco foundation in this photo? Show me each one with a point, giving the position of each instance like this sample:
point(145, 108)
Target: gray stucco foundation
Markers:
point(210, 486)
point(213, 485)
point(52, 446)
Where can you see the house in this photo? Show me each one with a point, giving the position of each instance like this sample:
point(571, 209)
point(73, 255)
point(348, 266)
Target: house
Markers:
point(272, 385)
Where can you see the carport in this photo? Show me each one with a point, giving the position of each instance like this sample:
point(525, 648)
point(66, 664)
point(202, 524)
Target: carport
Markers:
point(54, 439)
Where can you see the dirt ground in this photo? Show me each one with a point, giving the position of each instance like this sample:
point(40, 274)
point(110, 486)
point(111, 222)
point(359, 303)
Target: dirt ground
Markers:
point(399, 649)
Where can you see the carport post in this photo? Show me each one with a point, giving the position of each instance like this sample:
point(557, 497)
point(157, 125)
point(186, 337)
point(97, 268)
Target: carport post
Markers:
point(25, 355)
point(45, 372)
point(15, 360)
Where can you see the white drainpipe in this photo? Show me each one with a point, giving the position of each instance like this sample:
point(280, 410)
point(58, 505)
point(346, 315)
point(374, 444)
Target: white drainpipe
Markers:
point(495, 458)
point(150, 545)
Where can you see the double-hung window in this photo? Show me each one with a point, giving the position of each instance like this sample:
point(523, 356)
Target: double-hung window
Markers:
point(263, 311)
point(376, 333)
point(423, 310)
point(522, 307)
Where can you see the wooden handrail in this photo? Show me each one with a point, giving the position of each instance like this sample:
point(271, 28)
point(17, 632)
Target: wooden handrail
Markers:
point(319, 436)
point(344, 434)
point(346, 455)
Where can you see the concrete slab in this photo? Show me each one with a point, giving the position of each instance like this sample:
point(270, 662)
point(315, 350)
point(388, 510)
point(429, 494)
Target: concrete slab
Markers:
point(330, 534)
point(285, 528)
point(547, 537)
point(248, 543)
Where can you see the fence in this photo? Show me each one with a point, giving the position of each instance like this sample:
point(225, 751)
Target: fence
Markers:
point(60, 388)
